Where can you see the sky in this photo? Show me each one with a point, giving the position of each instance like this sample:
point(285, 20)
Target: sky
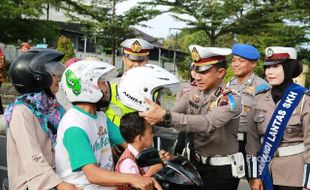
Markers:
point(160, 26)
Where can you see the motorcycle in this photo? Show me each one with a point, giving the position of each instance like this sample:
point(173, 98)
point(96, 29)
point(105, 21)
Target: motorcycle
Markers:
point(176, 174)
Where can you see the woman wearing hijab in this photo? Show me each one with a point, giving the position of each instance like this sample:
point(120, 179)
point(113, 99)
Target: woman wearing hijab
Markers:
point(32, 121)
point(278, 137)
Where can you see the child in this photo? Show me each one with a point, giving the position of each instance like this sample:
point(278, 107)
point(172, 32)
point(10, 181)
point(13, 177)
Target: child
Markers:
point(139, 136)
point(83, 149)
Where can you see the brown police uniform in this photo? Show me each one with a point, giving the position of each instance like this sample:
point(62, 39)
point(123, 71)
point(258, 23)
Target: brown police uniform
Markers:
point(212, 117)
point(290, 166)
point(285, 170)
point(214, 129)
point(247, 92)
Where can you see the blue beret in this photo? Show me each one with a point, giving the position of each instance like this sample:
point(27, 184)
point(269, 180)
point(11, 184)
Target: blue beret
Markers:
point(246, 51)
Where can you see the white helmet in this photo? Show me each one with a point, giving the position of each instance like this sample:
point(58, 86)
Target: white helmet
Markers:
point(140, 82)
point(80, 80)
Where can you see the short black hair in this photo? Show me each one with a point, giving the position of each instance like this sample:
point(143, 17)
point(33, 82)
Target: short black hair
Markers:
point(221, 64)
point(131, 126)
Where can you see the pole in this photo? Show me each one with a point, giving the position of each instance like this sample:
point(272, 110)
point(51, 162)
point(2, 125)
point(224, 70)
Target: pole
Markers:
point(85, 45)
point(175, 49)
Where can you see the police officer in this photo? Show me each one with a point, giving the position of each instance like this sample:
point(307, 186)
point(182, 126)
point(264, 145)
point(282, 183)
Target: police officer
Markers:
point(273, 118)
point(184, 141)
point(135, 53)
point(246, 83)
point(211, 112)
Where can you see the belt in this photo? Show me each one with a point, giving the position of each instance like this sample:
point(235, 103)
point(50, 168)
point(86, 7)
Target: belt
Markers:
point(216, 160)
point(290, 150)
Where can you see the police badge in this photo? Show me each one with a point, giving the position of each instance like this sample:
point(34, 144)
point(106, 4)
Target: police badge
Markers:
point(136, 46)
point(212, 105)
point(195, 55)
point(246, 109)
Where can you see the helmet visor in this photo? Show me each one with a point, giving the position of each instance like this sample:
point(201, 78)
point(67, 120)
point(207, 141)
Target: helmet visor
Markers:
point(165, 96)
point(108, 75)
point(55, 68)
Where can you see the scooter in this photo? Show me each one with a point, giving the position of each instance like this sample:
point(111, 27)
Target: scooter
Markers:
point(177, 173)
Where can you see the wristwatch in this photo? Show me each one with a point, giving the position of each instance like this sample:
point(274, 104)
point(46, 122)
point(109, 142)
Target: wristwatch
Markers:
point(167, 117)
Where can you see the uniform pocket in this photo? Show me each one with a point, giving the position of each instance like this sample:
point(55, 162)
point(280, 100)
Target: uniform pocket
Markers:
point(259, 116)
point(293, 127)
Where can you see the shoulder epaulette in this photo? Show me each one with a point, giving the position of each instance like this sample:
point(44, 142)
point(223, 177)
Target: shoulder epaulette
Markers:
point(226, 91)
point(231, 81)
point(261, 88)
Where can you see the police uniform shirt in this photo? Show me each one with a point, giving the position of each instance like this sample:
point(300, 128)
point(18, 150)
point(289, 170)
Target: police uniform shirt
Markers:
point(247, 92)
point(286, 170)
point(215, 128)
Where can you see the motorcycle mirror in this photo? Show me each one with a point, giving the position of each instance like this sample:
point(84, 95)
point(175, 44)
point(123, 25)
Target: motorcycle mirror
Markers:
point(148, 157)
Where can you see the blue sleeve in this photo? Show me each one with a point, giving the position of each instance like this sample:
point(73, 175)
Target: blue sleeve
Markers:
point(114, 133)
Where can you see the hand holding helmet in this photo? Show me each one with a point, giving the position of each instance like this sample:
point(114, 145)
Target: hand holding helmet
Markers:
point(150, 81)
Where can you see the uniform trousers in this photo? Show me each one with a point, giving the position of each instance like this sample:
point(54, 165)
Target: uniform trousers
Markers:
point(277, 187)
point(217, 177)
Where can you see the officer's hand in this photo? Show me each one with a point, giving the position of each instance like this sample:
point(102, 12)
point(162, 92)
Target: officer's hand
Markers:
point(165, 155)
point(155, 114)
point(305, 188)
point(256, 184)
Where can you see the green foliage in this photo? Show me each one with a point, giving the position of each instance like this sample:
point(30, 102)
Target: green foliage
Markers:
point(21, 9)
point(102, 21)
point(14, 30)
point(260, 23)
point(253, 18)
point(304, 57)
point(229, 75)
point(64, 45)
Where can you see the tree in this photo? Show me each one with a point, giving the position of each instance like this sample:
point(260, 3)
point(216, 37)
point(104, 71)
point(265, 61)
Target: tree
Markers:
point(100, 17)
point(64, 45)
point(21, 9)
point(16, 30)
point(18, 21)
point(221, 17)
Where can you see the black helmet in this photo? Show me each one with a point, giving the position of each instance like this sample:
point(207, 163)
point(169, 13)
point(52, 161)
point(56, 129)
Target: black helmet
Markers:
point(31, 71)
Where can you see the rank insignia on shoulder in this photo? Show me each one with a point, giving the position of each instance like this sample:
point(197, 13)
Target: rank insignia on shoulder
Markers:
point(218, 92)
point(261, 88)
point(250, 89)
point(223, 101)
point(233, 81)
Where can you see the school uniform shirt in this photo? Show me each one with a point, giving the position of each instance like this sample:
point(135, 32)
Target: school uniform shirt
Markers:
point(82, 139)
point(130, 166)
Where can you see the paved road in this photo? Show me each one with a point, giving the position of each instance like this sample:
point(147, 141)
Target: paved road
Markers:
point(244, 185)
